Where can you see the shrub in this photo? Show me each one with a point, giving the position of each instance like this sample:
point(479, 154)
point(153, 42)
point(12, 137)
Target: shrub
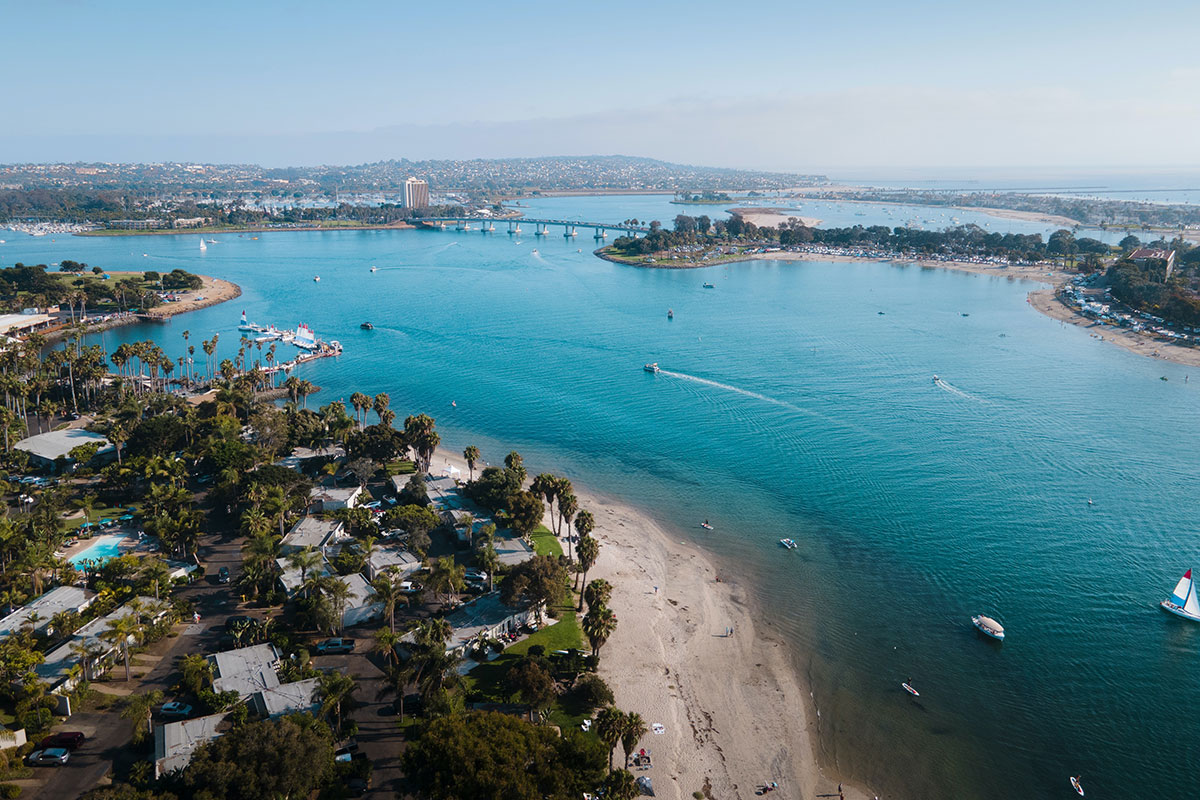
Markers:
point(9, 790)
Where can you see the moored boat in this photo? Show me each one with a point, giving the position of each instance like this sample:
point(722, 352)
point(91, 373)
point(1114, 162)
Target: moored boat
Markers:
point(988, 627)
point(652, 367)
point(1183, 602)
point(709, 286)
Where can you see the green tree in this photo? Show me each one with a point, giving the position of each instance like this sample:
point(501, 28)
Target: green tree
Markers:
point(620, 785)
point(631, 733)
point(471, 454)
point(532, 683)
point(598, 625)
point(138, 708)
point(335, 689)
point(287, 758)
point(525, 512)
point(609, 724)
point(541, 579)
point(588, 551)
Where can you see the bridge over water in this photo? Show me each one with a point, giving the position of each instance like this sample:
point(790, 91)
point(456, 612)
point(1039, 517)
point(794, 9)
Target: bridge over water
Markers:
point(541, 227)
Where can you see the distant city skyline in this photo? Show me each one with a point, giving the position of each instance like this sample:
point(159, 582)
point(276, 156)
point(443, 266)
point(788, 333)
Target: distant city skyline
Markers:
point(787, 86)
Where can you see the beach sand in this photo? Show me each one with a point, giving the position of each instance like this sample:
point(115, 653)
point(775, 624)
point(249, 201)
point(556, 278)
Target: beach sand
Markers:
point(213, 291)
point(771, 217)
point(734, 707)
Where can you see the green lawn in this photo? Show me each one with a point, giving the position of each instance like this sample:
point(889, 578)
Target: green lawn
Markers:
point(107, 512)
point(400, 468)
point(545, 543)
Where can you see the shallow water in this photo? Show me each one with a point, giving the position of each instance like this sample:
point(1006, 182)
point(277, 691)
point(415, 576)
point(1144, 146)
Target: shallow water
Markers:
point(790, 406)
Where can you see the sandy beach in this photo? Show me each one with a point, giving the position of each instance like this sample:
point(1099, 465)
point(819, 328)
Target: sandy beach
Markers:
point(213, 291)
point(734, 708)
point(771, 217)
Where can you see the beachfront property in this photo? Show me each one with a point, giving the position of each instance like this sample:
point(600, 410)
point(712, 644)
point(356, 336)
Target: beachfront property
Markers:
point(58, 668)
point(175, 742)
point(1144, 256)
point(27, 322)
point(324, 499)
point(486, 615)
point(38, 614)
point(313, 532)
point(52, 451)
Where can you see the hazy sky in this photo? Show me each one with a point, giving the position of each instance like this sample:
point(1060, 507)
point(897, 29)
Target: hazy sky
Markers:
point(786, 85)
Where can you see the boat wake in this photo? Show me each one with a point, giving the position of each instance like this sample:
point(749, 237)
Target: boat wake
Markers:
point(954, 390)
point(744, 392)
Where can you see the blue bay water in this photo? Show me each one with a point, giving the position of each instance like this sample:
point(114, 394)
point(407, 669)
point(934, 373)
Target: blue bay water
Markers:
point(790, 406)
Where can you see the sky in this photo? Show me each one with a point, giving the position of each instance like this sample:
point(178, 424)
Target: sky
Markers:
point(773, 85)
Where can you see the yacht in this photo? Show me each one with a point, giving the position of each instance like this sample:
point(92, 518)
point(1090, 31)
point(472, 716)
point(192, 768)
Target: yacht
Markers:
point(652, 368)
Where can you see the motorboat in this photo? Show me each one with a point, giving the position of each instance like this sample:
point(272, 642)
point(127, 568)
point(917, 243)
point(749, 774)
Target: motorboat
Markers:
point(988, 627)
point(936, 379)
point(652, 368)
point(789, 544)
point(366, 326)
point(316, 278)
point(1183, 602)
point(709, 286)
point(374, 268)
point(670, 314)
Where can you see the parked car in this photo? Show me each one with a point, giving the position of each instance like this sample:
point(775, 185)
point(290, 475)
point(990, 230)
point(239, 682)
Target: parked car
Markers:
point(357, 787)
point(410, 587)
point(52, 756)
point(223, 575)
point(175, 709)
point(66, 739)
point(332, 646)
point(473, 574)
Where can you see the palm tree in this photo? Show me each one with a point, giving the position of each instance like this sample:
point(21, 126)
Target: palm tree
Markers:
point(386, 590)
point(385, 644)
point(568, 504)
point(305, 560)
point(610, 722)
point(137, 708)
point(119, 633)
point(380, 404)
point(597, 593)
point(88, 651)
point(598, 625)
point(361, 404)
point(335, 690)
point(447, 577)
point(631, 733)
point(588, 551)
point(431, 632)
point(156, 572)
point(471, 454)
point(197, 672)
point(620, 785)
point(336, 592)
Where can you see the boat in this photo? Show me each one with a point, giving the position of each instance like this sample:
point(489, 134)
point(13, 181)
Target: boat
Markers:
point(1076, 785)
point(790, 544)
point(374, 268)
point(316, 278)
point(908, 688)
point(203, 246)
point(244, 325)
point(366, 326)
point(988, 627)
point(936, 379)
point(709, 286)
point(1183, 602)
point(652, 368)
point(212, 241)
point(670, 314)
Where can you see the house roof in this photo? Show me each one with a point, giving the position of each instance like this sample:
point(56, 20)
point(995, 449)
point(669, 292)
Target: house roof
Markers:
point(20, 322)
point(344, 495)
point(292, 579)
point(485, 611)
point(245, 670)
point(55, 444)
point(287, 698)
point(175, 742)
point(58, 662)
point(62, 598)
point(1151, 252)
point(361, 593)
point(312, 532)
point(390, 555)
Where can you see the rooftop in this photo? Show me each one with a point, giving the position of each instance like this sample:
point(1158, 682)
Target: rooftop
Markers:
point(175, 742)
point(1151, 252)
point(485, 612)
point(59, 661)
point(390, 555)
point(246, 670)
point(55, 444)
point(312, 532)
point(287, 698)
point(20, 322)
point(62, 598)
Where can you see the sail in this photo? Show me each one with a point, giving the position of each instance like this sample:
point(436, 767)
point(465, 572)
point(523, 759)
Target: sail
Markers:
point(1183, 590)
point(1192, 605)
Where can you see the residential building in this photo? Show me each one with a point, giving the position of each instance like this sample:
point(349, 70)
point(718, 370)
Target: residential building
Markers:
point(416, 193)
point(1144, 255)
point(37, 614)
point(486, 615)
point(324, 499)
point(392, 557)
point(57, 670)
point(361, 605)
point(46, 449)
point(292, 579)
point(287, 698)
point(313, 532)
point(245, 670)
point(175, 742)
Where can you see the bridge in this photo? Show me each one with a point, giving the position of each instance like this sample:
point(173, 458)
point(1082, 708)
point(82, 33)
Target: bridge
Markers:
point(541, 227)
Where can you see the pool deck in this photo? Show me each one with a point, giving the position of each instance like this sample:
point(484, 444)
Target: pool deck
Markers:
point(129, 540)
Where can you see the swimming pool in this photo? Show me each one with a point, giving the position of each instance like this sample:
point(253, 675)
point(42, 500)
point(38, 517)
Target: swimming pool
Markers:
point(103, 549)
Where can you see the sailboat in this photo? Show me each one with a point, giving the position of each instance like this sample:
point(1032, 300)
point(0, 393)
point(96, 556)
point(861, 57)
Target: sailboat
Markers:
point(245, 325)
point(203, 246)
point(1182, 601)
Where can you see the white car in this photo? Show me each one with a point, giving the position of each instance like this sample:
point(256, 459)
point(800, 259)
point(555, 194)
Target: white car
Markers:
point(52, 756)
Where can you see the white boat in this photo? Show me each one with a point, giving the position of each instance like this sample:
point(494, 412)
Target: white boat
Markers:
point(203, 246)
point(244, 325)
point(374, 268)
point(652, 367)
point(316, 278)
point(790, 544)
point(304, 338)
point(988, 627)
point(1183, 602)
point(1076, 785)
point(212, 241)
point(936, 379)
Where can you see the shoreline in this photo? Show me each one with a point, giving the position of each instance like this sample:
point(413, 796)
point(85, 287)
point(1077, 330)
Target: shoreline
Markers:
point(104, 232)
point(670, 661)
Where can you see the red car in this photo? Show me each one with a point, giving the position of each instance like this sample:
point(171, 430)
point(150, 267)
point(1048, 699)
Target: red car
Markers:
point(68, 739)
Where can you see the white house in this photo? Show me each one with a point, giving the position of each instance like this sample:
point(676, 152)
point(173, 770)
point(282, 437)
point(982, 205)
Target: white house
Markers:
point(323, 499)
point(292, 578)
point(245, 670)
point(37, 614)
point(45, 449)
point(361, 605)
point(315, 533)
point(392, 557)
point(55, 670)
point(287, 698)
point(175, 742)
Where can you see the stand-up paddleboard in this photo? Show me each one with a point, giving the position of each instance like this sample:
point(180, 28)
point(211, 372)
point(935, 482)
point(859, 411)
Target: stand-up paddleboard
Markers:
point(915, 693)
point(1077, 786)
point(706, 526)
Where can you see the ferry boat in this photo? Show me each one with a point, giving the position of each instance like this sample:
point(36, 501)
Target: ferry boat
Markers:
point(988, 627)
point(652, 368)
point(788, 544)
point(1183, 602)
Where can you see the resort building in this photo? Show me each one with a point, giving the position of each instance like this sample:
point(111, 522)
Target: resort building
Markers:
point(175, 742)
point(52, 450)
point(1144, 255)
point(416, 193)
point(58, 669)
point(313, 532)
point(323, 499)
point(26, 322)
point(38, 614)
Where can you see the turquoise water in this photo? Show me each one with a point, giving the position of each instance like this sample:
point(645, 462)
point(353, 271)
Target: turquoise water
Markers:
point(104, 548)
point(790, 406)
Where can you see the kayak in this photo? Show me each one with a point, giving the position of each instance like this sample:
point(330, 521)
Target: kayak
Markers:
point(915, 693)
point(1078, 788)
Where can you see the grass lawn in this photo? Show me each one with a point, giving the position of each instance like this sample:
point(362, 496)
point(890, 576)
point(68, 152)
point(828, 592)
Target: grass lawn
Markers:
point(565, 634)
point(108, 512)
point(400, 468)
point(545, 543)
